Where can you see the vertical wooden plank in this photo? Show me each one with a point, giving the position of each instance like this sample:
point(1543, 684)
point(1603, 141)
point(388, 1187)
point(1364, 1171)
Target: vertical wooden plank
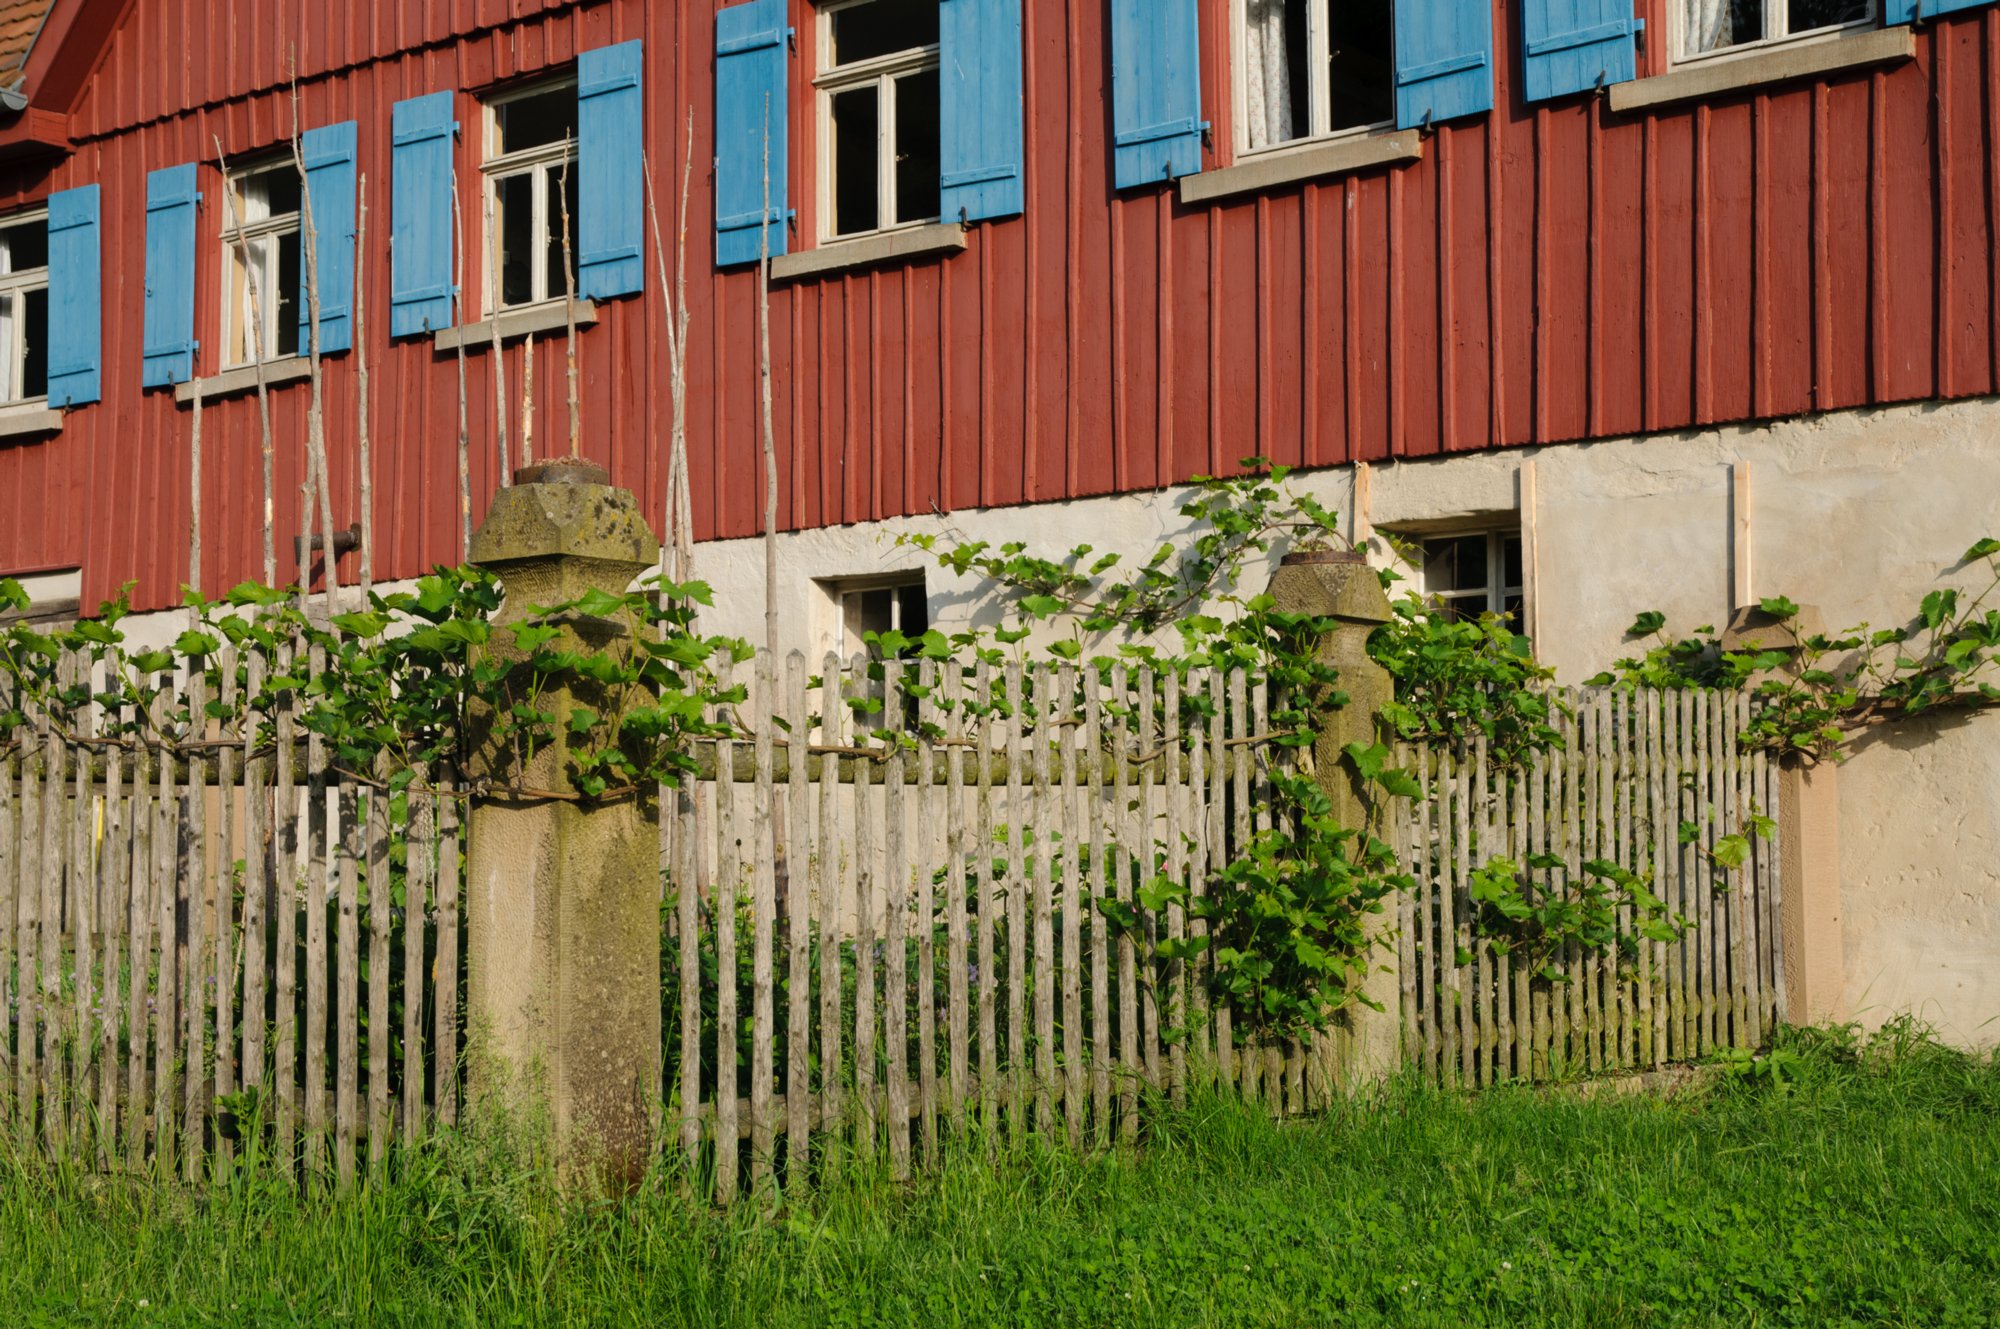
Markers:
point(444, 1057)
point(1592, 979)
point(1146, 838)
point(1128, 847)
point(420, 872)
point(1464, 975)
point(895, 892)
point(1521, 1028)
point(320, 866)
point(1534, 1064)
point(1659, 834)
point(828, 872)
point(223, 966)
point(166, 997)
point(1214, 803)
point(865, 838)
point(763, 922)
point(926, 797)
point(258, 883)
point(1097, 883)
point(1488, 1003)
point(1067, 880)
point(1743, 928)
point(347, 981)
point(55, 1015)
point(957, 1000)
point(1427, 851)
point(799, 863)
point(1768, 885)
point(82, 880)
point(1624, 779)
point(1714, 974)
point(194, 889)
point(1044, 862)
point(688, 849)
point(987, 891)
point(728, 882)
point(1561, 829)
point(381, 1032)
point(9, 909)
point(1173, 975)
point(1238, 830)
point(139, 914)
point(291, 858)
point(1017, 887)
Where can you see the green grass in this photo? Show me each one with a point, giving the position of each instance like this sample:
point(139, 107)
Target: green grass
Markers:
point(1835, 1183)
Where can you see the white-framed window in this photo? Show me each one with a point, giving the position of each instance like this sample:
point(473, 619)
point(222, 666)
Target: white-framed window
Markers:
point(864, 605)
point(24, 307)
point(1476, 572)
point(264, 243)
point(529, 167)
point(1709, 27)
point(1311, 68)
point(878, 115)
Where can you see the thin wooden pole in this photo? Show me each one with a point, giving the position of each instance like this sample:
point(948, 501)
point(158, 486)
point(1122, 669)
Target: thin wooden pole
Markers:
point(895, 891)
point(464, 427)
point(500, 404)
point(763, 909)
point(728, 885)
point(798, 915)
point(258, 368)
point(829, 872)
point(364, 450)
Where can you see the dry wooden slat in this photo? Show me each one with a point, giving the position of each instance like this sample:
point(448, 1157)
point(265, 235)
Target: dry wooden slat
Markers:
point(927, 797)
point(1147, 842)
point(139, 913)
point(828, 873)
point(987, 891)
point(1562, 831)
point(1097, 883)
point(727, 881)
point(1237, 841)
point(258, 885)
point(1743, 931)
point(1017, 888)
point(320, 866)
point(1487, 1008)
point(380, 1032)
point(292, 859)
point(1204, 856)
point(1521, 1009)
point(1432, 881)
point(763, 923)
point(895, 895)
point(957, 995)
point(1067, 881)
point(1040, 885)
point(167, 873)
point(1450, 839)
point(444, 1058)
point(798, 914)
point(222, 965)
point(1714, 1024)
point(11, 999)
point(1659, 834)
point(1173, 975)
point(347, 983)
point(1128, 847)
point(864, 839)
point(1588, 978)
point(55, 1016)
point(420, 873)
point(82, 888)
point(1623, 786)
point(1771, 894)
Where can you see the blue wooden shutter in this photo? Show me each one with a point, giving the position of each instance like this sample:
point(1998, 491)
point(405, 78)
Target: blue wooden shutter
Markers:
point(420, 221)
point(169, 321)
point(1575, 45)
point(329, 154)
point(751, 66)
point(611, 172)
point(1909, 11)
point(979, 115)
point(76, 353)
point(1156, 123)
point(1444, 60)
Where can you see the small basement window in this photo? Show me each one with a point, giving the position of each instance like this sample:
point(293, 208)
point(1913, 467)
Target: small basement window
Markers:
point(263, 279)
point(1476, 573)
point(531, 195)
point(1710, 26)
point(1312, 68)
point(863, 608)
point(24, 308)
point(878, 115)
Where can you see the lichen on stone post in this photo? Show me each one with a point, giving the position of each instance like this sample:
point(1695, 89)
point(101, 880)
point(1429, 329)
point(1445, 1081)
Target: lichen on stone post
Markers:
point(1364, 1044)
point(562, 895)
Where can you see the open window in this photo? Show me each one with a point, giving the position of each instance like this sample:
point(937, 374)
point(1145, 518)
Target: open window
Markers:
point(24, 308)
point(1473, 573)
point(531, 197)
point(879, 120)
point(1709, 27)
point(263, 276)
point(1312, 69)
point(876, 605)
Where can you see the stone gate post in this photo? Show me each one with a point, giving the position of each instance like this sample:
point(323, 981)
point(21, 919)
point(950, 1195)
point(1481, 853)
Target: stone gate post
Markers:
point(1365, 1044)
point(563, 897)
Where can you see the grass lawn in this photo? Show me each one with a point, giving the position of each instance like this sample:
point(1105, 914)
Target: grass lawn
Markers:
point(1852, 1184)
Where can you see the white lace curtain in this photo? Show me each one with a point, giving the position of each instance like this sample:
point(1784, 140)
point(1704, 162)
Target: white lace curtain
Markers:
point(1705, 26)
point(1267, 77)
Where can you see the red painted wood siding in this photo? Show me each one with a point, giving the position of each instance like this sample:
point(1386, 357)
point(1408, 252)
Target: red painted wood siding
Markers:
point(1543, 274)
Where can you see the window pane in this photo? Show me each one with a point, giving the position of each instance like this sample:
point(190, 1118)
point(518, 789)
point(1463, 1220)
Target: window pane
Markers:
point(916, 610)
point(1277, 96)
point(1511, 560)
point(35, 363)
point(1805, 15)
point(272, 191)
point(917, 146)
point(1455, 565)
point(855, 127)
point(1711, 25)
point(559, 266)
point(1362, 64)
point(515, 204)
point(25, 246)
point(536, 119)
point(284, 336)
point(881, 27)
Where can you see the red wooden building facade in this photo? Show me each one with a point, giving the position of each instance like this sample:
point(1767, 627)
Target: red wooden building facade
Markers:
point(1541, 272)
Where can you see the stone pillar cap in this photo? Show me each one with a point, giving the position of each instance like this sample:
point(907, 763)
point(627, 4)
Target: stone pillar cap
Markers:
point(564, 520)
point(1347, 589)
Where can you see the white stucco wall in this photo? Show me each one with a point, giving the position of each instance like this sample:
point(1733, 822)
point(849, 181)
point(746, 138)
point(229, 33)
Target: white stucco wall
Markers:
point(1859, 513)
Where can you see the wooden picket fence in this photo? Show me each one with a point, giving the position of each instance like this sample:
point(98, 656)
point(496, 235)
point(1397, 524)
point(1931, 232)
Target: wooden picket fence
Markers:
point(868, 946)
point(1650, 781)
point(234, 946)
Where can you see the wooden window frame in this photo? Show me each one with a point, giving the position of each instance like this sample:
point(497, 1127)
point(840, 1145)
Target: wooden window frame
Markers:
point(830, 80)
point(237, 245)
point(17, 286)
point(1319, 61)
point(545, 161)
point(1776, 14)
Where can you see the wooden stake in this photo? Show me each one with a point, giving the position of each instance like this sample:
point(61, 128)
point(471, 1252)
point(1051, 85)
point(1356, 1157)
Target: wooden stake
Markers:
point(499, 362)
point(317, 471)
point(464, 437)
point(569, 320)
point(257, 367)
point(365, 455)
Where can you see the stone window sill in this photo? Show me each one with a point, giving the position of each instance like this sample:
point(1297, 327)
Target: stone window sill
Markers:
point(29, 422)
point(516, 324)
point(888, 247)
point(1725, 74)
point(1278, 169)
point(236, 382)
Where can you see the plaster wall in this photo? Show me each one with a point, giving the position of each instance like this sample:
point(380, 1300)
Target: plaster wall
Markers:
point(1860, 513)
